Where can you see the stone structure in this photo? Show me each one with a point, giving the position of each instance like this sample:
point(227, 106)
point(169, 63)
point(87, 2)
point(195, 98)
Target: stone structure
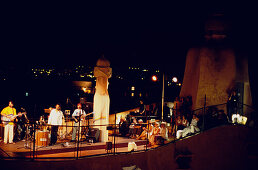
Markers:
point(101, 103)
point(215, 69)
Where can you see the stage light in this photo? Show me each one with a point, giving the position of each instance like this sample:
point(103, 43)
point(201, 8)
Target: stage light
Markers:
point(154, 78)
point(174, 79)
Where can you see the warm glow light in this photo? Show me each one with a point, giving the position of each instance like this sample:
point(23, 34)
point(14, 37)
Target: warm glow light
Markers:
point(132, 88)
point(154, 78)
point(174, 79)
point(86, 90)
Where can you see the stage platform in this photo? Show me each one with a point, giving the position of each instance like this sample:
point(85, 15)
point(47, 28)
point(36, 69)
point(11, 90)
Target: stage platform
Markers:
point(66, 149)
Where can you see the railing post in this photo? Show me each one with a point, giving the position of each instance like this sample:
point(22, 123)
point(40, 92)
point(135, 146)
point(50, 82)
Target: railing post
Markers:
point(34, 141)
point(115, 136)
point(78, 143)
point(204, 109)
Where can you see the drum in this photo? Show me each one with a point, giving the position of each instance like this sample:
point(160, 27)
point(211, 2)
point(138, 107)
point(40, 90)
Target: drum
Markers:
point(42, 138)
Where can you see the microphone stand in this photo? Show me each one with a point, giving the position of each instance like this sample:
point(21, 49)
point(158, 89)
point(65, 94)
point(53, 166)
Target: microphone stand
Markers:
point(78, 142)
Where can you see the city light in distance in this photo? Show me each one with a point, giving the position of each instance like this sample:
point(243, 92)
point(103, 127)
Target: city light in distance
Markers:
point(132, 88)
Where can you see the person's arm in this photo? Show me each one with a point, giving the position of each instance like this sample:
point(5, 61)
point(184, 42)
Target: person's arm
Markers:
point(50, 118)
point(74, 114)
point(61, 119)
point(14, 111)
point(83, 114)
point(3, 112)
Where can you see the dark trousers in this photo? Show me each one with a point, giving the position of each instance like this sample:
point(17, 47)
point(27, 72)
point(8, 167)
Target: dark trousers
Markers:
point(54, 130)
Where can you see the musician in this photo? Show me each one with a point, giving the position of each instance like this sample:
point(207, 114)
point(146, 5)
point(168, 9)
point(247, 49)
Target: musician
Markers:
point(77, 115)
point(8, 112)
point(21, 121)
point(55, 119)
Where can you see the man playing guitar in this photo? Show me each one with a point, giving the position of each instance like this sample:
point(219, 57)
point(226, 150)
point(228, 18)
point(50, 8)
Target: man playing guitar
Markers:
point(77, 115)
point(8, 116)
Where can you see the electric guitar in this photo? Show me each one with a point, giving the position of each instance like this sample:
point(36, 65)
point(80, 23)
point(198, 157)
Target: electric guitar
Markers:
point(10, 118)
point(77, 117)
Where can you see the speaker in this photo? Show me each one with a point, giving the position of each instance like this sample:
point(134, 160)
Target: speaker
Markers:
point(93, 134)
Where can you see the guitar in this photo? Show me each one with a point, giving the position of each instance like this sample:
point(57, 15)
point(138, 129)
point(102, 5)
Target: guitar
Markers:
point(10, 118)
point(77, 117)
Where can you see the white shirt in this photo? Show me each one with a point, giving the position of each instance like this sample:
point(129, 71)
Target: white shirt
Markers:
point(194, 122)
point(55, 117)
point(78, 112)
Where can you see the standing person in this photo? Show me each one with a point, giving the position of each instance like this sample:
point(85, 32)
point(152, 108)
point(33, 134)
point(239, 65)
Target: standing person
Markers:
point(55, 119)
point(21, 124)
point(8, 115)
point(77, 115)
point(232, 104)
point(142, 108)
point(176, 107)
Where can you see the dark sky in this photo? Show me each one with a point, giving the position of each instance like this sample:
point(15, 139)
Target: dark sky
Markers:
point(153, 33)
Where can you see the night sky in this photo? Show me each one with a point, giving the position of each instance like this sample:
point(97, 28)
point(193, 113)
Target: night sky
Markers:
point(124, 32)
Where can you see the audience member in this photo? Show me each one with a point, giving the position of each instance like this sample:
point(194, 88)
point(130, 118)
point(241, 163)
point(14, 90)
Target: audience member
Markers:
point(164, 131)
point(155, 132)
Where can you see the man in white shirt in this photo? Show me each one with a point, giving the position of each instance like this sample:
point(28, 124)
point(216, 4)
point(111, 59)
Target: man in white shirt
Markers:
point(77, 115)
point(55, 119)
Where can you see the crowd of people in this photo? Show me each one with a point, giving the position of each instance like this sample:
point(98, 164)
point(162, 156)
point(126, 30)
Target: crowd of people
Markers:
point(155, 131)
point(135, 126)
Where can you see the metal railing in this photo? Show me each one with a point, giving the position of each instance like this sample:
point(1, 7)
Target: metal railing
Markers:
point(35, 143)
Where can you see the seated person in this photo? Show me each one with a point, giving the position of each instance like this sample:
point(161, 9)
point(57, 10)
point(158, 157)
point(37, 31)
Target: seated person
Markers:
point(138, 129)
point(146, 131)
point(156, 131)
point(164, 131)
point(132, 128)
point(183, 124)
point(193, 125)
point(190, 129)
point(178, 123)
point(123, 127)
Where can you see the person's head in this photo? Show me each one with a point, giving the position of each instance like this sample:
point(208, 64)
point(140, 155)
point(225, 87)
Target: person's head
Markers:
point(156, 124)
point(140, 121)
point(141, 102)
point(58, 107)
point(50, 108)
point(163, 124)
point(194, 116)
point(10, 103)
point(79, 105)
point(134, 120)
point(183, 117)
